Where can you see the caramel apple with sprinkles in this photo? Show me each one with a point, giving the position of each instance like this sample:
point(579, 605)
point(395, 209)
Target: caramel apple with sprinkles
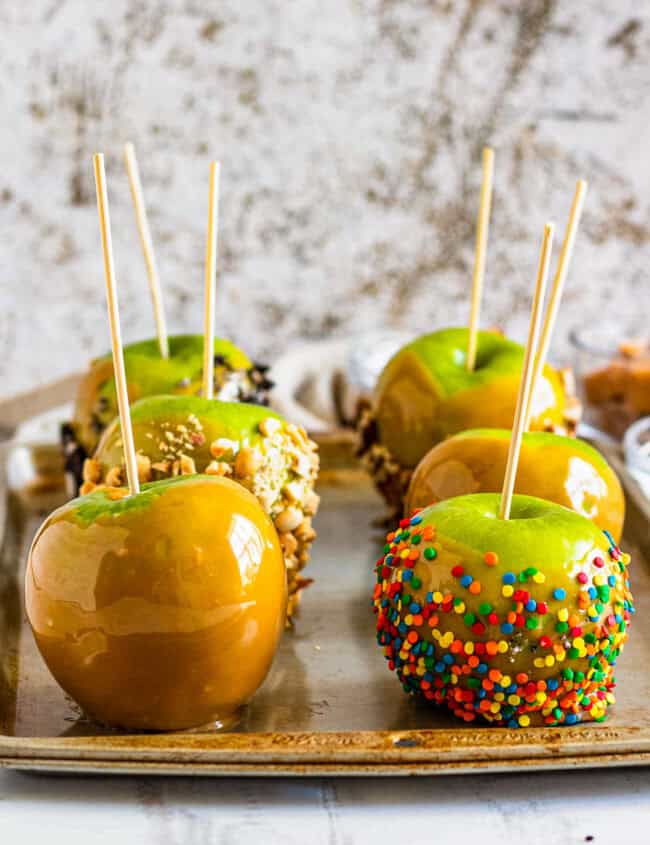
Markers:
point(273, 459)
point(518, 622)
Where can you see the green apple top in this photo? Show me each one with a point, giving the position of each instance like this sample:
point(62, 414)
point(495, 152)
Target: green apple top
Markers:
point(167, 427)
point(564, 470)
point(149, 374)
point(425, 392)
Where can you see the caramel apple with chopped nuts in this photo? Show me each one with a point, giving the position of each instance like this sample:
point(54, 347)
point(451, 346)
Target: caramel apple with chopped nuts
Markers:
point(184, 435)
point(236, 379)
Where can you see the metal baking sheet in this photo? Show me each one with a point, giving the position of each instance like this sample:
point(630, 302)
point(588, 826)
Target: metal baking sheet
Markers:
point(329, 705)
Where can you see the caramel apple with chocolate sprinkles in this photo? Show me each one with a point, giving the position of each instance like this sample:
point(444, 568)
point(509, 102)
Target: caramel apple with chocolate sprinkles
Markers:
point(565, 470)
point(275, 460)
point(160, 610)
point(236, 379)
point(516, 621)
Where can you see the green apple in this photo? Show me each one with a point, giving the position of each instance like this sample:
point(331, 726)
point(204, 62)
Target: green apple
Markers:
point(517, 621)
point(149, 374)
point(561, 469)
point(165, 427)
point(162, 610)
point(425, 392)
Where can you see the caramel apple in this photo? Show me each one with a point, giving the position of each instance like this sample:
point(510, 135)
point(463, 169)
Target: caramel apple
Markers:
point(183, 435)
point(515, 621)
point(236, 378)
point(560, 469)
point(160, 610)
point(425, 394)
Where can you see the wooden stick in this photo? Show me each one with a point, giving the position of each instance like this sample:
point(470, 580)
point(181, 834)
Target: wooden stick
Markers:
point(482, 226)
point(114, 323)
point(146, 242)
point(526, 381)
point(210, 282)
point(557, 288)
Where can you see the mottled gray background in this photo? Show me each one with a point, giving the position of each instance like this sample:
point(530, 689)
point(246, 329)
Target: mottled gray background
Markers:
point(350, 135)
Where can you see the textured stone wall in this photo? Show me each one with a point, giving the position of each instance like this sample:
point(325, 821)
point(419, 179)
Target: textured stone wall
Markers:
point(350, 135)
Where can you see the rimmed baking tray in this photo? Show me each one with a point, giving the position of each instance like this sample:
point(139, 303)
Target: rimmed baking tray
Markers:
point(329, 705)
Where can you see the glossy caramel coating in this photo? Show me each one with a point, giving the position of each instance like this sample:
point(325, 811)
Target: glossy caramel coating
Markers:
point(560, 469)
point(425, 393)
point(160, 611)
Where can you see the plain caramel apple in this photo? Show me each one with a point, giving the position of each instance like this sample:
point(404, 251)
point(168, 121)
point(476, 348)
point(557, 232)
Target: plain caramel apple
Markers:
point(160, 610)
point(560, 469)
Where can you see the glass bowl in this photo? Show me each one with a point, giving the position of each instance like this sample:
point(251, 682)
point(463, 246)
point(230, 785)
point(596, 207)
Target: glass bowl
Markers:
point(613, 377)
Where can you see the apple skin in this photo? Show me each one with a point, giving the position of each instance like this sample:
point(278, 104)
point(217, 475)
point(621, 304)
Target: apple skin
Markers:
point(453, 573)
point(560, 469)
point(147, 374)
point(424, 393)
point(159, 611)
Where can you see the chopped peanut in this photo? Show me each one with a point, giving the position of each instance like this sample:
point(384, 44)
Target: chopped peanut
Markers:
point(92, 470)
point(247, 463)
point(270, 426)
point(302, 465)
point(114, 477)
point(293, 491)
point(222, 445)
point(305, 532)
point(289, 544)
point(144, 468)
point(311, 503)
point(187, 465)
point(220, 468)
point(288, 519)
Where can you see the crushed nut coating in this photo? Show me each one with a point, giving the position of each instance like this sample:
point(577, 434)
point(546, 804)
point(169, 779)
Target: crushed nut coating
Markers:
point(280, 468)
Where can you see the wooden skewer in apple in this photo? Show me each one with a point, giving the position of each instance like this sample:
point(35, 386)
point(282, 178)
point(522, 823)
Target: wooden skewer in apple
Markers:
point(146, 243)
point(210, 281)
point(482, 226)
point(114, 324)
point(170, 365)
point(555, 296)
point(525, 385)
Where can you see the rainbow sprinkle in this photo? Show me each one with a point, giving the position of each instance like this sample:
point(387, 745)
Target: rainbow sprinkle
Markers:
point(547, 660)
